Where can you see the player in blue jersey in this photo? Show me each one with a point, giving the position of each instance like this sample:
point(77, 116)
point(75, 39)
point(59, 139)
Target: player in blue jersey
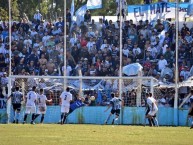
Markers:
point(77, 104)
point(115, 103)
point(190, 113)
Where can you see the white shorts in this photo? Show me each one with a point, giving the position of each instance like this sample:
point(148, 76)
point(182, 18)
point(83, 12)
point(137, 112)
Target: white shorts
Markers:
point(152, 112)
point(30, 109)
point(41, 110)
point(65, 109)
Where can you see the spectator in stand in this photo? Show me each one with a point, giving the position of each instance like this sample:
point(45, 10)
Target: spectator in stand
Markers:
point(37, 17)
point(87, 16)
point(162, 63)
point(68, 17)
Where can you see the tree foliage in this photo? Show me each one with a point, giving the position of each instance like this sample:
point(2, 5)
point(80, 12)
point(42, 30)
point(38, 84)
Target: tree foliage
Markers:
point(52, 8)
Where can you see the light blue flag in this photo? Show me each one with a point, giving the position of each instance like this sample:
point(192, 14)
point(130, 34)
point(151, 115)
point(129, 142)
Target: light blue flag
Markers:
point(80, 14)
point(72, 8)
point(190, 8)
point(94, 4)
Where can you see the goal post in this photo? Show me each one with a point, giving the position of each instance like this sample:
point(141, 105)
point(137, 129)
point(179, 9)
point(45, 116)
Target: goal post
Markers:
point(85, 86)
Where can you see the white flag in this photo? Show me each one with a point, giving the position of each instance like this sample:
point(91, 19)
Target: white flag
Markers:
point(94, 4)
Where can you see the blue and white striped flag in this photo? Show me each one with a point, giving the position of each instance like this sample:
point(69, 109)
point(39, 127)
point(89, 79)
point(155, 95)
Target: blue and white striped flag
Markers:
point(80, 14)
point(94, 4)
point(72, 8)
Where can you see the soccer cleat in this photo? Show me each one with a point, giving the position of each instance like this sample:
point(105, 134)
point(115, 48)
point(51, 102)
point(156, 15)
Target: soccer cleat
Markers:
point(17, 121)
point(32, 122)
point(105, 122)
point(23, 122)
point(13, 121)
point(191, 126)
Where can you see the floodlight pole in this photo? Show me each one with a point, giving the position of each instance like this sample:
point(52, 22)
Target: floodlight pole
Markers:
point(120, 49)
point(64, 73)
point(176, 66)
point(120, 55)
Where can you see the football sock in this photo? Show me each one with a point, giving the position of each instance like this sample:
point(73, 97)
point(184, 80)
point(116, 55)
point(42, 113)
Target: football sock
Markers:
point(33, 117)
point(65, 116)
point(36, 116)
point(152, 120)
point(25, 117)
point(17, 115)
point(156, 121)
point(108, 118)
point(150, 123)
point(42, 118)
point(113, 121)
point(62, 116)
point(116, 120)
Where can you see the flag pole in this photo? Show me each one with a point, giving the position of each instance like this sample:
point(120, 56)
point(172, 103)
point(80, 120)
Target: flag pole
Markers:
point(176, 66)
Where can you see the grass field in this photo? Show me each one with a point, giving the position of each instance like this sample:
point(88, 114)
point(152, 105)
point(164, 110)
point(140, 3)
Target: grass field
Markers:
point(93, 135)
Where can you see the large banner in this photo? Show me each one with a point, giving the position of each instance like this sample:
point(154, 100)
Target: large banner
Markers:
point(190, 8)
point(156, 11)
point(94, 4)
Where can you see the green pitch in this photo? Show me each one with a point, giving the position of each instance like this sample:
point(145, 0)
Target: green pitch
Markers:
point(93, 135)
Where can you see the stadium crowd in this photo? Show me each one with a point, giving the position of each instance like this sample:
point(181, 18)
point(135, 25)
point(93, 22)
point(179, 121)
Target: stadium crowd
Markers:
point(37, 47)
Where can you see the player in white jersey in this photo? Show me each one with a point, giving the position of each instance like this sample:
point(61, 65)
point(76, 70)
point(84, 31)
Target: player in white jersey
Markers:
point(31, 100)
point(115, 103)
point(153, 107)
point(154, 117)
point(65, 99)
point(41, 105)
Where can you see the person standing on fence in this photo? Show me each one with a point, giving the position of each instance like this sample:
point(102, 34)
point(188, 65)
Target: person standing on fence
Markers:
point(190, 113)
point(31, 100)
point(16, 99)
point(65, 99)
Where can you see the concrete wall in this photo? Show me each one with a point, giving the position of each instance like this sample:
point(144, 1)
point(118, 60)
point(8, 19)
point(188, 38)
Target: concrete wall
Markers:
point(96, 115)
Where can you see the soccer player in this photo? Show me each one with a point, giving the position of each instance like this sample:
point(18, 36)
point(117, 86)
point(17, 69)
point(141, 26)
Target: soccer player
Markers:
point(41, 105)
point(77, 104)
point(115, 103)
point(151, 121)
point(65, 99)
point(31, 100)
point(154, 119)
point(190, 113)
point(151, 102)
point(16, 99)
